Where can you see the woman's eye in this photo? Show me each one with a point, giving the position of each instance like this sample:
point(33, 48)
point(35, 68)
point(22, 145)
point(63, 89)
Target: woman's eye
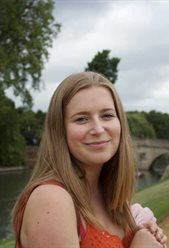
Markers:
point(108, 116)
point(81, 120)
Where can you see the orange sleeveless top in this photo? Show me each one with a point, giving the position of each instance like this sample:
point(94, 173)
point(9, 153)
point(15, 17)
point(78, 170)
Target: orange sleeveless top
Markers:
point(97, 238)
point(92, 237)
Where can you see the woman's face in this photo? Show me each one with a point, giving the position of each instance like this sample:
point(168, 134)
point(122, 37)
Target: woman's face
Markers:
point(92, 126)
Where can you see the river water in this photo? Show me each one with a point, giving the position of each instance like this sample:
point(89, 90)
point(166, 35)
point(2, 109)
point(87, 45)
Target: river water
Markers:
point(10, 186)
point(12, 183)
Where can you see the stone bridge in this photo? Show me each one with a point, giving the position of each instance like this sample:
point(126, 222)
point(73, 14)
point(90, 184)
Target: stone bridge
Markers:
point(149, 150)
point(146, 150)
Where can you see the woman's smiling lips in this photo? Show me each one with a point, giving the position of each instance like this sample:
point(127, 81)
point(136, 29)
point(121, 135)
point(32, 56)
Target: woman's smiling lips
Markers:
point(97, 144)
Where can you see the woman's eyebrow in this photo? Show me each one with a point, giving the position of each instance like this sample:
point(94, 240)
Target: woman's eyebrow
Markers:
point(108, 109)
point(87, 112)
point(80, 113)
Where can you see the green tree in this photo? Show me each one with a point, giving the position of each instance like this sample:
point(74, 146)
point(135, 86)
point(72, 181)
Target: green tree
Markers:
point(105, 65)
point(31, 125)
point(12, 145)
point(27, 28)
point(139, 126)
point(160, 123)
point(40, 117)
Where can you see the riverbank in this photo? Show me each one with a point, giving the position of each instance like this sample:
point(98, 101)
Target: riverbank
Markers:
point(7, 243)
point(156, 197)
point(11, 169)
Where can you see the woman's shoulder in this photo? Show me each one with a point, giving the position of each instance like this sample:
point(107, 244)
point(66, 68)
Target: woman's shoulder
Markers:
point(49, 199)
point(49, 196)
point(57, 191)
point(50, 215)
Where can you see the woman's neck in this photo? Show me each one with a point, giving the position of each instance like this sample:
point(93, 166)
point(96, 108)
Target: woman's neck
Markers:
point(92, 176)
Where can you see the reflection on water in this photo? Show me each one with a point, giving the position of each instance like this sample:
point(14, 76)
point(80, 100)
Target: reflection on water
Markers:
point(146, 179)
point(10, 186)
point(12, 183)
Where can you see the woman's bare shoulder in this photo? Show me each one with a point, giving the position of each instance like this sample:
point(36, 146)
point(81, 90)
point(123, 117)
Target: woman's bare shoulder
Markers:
point(50, 218)
point(46, 190)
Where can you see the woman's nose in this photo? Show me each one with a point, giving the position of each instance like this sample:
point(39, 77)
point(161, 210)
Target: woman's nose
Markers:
point(97, 127)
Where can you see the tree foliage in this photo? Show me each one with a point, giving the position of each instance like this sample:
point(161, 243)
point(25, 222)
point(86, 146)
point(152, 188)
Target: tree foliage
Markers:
point(12, 144)
point(149, 124)
point(139, 126)
point(160, 122)
point(27, 28)
point(105, 65)
point(31, 125)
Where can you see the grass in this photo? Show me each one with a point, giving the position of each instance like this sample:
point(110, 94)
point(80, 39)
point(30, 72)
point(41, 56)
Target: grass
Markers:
point(155, 197)
point(7, 243)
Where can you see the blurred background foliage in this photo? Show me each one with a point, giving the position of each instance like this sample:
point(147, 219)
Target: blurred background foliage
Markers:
point(27, 30)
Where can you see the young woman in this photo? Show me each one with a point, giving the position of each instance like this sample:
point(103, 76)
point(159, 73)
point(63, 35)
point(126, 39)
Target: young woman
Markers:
point(80, 191)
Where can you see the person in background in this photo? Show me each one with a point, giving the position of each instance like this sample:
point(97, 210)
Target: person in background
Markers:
point(80, 191)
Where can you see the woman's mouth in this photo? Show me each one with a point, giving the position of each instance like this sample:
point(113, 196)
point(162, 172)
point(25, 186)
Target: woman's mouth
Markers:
point(97, 144)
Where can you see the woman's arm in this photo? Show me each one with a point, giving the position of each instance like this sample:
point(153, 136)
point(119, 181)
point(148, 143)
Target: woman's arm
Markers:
point(156, 231)
point(50, 219)
point(144, 239)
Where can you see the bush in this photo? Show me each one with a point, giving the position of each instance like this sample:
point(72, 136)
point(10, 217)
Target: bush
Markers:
point(139, 126)
point(12, 145)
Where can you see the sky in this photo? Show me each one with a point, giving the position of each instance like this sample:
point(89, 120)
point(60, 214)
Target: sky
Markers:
point(137, 32)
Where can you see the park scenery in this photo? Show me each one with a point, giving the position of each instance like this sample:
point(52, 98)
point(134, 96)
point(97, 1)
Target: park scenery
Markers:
point(29, 32)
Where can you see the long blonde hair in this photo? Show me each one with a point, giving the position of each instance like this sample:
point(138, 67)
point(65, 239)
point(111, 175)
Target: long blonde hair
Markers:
point(54, 161)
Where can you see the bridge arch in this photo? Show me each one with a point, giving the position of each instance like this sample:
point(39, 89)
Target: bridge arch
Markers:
point(160, 164)
point(148, 150)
